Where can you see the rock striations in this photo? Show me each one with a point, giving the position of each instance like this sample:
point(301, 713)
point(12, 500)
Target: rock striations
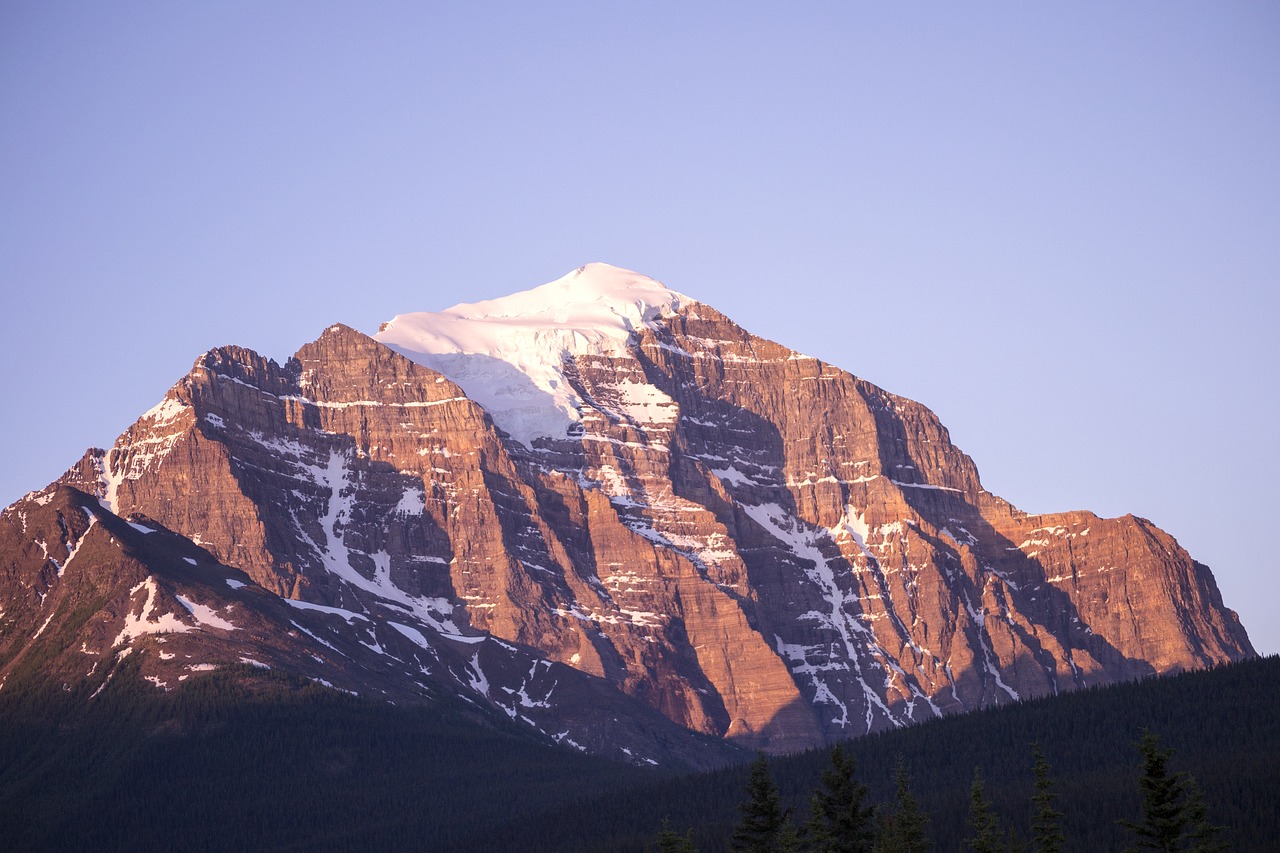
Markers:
point(599, 508)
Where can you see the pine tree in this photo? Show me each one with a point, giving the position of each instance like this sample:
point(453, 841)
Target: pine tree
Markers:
point(982, 821)
point(1046, 824)
point(669, 842)
point(904, 828)
point(840, 821)
point(816, 835)
point(1203, 837)
point(788, 838)
point(762, 815)
point(1174, 817)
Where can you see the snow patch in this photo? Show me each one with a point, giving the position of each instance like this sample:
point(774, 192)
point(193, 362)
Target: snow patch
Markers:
point(925, 486)
point(75, 549)
point(508, 354)
point(205, 614)
point(413, 502)
point(336, 611)
point(478, 682)
point(434, 612)
point(137, 626)
point(40, 630)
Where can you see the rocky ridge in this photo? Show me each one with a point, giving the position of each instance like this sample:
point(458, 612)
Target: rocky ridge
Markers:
point(658, 532)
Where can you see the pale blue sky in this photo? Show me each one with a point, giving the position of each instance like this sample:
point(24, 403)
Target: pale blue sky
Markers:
point(1056, 225)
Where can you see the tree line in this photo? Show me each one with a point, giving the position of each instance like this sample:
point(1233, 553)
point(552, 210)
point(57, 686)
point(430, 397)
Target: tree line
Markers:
point(251, 759)
point(841, 819)
point(1224, 724)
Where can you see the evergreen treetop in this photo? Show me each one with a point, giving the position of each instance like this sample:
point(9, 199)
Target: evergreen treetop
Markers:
point(762, 816)
point(670, 842)
point(904, 826)
point(1046, 821)
point(1174, 817)
point(840, 819)
point(982, 820)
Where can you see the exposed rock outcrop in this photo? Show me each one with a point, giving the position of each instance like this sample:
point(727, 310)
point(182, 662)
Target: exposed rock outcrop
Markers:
point(656, 522)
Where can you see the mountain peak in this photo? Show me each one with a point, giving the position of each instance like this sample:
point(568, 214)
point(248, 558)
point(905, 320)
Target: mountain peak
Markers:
point(507, 353)
point(609, 282)
point(593, 297)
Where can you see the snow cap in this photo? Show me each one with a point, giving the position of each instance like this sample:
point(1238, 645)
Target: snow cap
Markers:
point(508, 353)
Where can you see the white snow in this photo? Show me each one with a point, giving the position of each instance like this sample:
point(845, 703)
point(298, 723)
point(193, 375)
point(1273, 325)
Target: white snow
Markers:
point(732, 476)
point(361, 404)
point(811, 661)
point(110, 480)
point(854, 525)
point(476, 677)
point(136, 626)
point(413, 634)
point(413, 502)
point(522, 695)
point(139, 449)
point(924, 486)
point(336, 611)
point(508, 354)
point(640, 402)
point(961, 536)
point(801, 542)
point(204, 614)
point(164, 411)
point(433, 612)
point(75, 549)
point(42, 627)
point(234, 584)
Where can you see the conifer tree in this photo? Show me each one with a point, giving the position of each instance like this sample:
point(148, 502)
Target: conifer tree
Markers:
point(1046, 823)
point(1203, 837)
point(1174, 817)
point(788, 838)
point(840, 820)
point(816, 836)
point(904, 827)
point(762, 815)
point(982, 821)
point(669, 842)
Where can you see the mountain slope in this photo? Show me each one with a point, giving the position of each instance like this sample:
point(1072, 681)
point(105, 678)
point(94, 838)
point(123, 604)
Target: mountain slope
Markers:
point(602, 508)
point(248, 759)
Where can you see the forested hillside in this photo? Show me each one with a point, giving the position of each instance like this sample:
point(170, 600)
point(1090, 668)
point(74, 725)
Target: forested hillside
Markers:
point(244, 759)
point(253, 760)
point(1223, 725)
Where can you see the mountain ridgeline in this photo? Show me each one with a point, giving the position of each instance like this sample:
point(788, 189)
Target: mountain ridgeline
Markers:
point(598, 508)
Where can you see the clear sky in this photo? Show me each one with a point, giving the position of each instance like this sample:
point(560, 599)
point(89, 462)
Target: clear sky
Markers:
point(1057, 225)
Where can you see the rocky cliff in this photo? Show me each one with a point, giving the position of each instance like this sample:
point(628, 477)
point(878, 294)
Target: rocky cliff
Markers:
point(599, 508)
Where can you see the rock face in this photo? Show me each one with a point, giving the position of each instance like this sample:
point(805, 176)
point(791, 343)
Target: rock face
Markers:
point(601, 508)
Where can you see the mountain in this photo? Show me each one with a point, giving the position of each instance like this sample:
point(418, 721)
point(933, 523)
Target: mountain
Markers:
point(598, 508)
